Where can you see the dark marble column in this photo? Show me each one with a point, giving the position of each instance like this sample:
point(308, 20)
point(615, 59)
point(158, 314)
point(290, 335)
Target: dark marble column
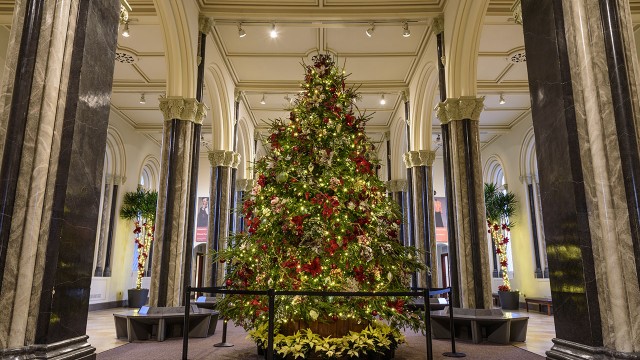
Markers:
point(54, 112)
point(582, 68)
point(181, 116)
point(397, 190)
point(460, 120)
point(420, 163)
point(222, 164)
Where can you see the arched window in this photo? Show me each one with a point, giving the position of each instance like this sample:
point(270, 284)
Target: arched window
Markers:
point(149, 173)
point(529, 175)
point(494, 173)
point(112, 177)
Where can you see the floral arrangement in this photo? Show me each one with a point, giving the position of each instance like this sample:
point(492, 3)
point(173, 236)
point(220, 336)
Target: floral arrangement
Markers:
point(140, 206)
point(500, 208)
point(376, 338)
point(318, 218)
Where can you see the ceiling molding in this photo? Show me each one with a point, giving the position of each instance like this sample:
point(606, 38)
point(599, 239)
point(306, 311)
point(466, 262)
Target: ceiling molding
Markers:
point(505, 86)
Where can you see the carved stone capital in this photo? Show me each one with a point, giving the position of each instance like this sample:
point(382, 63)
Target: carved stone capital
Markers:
point(419, 158)
point(397, 185)
point(465, 107)
point(183, 109)
point(437, 26)
point(205, 24)
point(224, 158)
point(244, 184)
point(516, 9)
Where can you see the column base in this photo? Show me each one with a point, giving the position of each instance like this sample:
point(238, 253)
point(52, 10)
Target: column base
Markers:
point(70, 349)
point(568, 350)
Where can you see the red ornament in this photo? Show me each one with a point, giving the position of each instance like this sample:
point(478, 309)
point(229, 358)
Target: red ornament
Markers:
point(374, 313)
point(229, 282)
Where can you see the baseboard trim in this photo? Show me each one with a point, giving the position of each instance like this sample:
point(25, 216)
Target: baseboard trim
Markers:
point(108, 305)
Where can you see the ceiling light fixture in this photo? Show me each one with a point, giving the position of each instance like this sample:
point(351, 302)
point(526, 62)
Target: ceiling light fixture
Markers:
point(142, 99)
point(370, 30)
point(382, 100)
point(241, 32)
point(502, 101)
point(125, 31)
point(406, 32)
point(274, 32)
point(263, 101)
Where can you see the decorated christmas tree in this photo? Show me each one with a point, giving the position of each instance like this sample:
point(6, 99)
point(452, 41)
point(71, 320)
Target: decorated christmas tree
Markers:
point(318, 219)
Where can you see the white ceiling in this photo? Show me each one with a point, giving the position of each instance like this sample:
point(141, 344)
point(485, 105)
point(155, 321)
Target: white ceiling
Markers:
point(382, 64)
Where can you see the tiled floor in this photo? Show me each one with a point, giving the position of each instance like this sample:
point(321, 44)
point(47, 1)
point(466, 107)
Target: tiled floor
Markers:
point(102, 334)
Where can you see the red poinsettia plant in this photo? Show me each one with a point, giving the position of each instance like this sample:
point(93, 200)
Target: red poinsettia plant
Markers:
point(500, 208)
point(140, 206)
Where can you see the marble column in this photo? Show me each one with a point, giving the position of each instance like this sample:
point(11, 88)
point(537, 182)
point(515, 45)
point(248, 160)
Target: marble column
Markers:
point(222, 164)
point(459, 119)
point(397, 190)
point(420, 163)
point(180, 118)
point(54, 111)
point(583, 66)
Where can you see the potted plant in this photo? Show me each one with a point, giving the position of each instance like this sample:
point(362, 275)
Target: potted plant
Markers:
point(500, 208)
point(140, 206)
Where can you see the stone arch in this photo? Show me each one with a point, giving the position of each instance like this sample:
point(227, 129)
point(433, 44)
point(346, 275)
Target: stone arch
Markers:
point(398, 135)
point(115, 154)
point(528, 163)
point(220, 109)
point(245, 149)
point(150, 171)
point(422, 109)
point(493, 171)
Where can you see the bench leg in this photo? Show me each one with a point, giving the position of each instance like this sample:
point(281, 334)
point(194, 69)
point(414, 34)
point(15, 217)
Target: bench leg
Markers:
point(526, 303)
point(162, 329)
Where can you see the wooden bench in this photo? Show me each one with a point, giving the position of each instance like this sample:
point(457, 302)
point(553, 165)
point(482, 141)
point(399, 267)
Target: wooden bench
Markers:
point(478, 324)
point(540, 302)
point(163, 322)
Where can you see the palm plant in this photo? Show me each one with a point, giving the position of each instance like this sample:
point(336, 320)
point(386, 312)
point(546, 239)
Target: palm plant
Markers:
point(500, 207)
point(140, 206)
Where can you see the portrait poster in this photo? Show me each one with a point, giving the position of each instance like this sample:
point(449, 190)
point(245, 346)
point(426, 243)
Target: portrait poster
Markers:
point(202, 220)
point(440, 209)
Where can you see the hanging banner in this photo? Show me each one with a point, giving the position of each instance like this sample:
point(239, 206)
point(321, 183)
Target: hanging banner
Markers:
point(202, 221)
point(440, 209)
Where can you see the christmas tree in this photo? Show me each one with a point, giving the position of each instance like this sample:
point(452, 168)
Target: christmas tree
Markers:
point(318, 218)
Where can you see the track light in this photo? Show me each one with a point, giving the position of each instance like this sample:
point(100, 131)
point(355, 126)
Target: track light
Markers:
point(502, 101)
point(370, 30)
point(142, 99)
point(241, 32)
point(263, 101)
point(125, 31)
point(382, 100)
point(274, 32)
point(405, 27)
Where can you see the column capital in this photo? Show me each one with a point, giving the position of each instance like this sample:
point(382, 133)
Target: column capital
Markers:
point(516, 9)
point(464, 107)
point(188, 109)
point(437, 26)
point(224, 158)
point(244, 184)
point(397, 185)
point(205, 24)
point(404, 95)
point(419, 158)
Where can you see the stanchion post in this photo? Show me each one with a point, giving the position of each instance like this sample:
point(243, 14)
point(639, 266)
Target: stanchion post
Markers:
point(185, 324)
point(427, 323)
point(224, 342)
point(272, 315)
point(452, 331)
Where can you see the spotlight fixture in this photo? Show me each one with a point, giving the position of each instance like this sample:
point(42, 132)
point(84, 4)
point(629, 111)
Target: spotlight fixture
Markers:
point(125, 31)
point(502, 101)
point(142, 99)
point(405, 27)
point(241, 32)
point(370, 30)
point(274, 32)
point(263, 101)
point(382, 100)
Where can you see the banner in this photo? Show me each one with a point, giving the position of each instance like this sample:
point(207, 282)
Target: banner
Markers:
point(202, 221)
